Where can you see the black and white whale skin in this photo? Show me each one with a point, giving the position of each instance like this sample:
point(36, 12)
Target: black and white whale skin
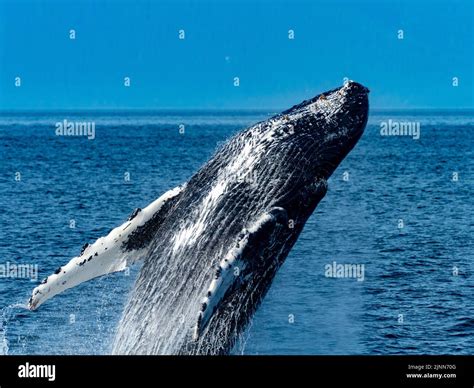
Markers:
point(212, 246)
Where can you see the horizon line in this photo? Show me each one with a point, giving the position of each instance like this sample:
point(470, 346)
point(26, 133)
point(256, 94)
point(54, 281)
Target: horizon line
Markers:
point(232, 109)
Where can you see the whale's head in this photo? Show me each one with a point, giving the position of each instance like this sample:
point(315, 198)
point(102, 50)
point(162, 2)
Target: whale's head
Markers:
point(303, 145)
point(327, 127)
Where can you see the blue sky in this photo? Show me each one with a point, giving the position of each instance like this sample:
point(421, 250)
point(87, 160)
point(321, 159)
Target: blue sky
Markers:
point(227, 39)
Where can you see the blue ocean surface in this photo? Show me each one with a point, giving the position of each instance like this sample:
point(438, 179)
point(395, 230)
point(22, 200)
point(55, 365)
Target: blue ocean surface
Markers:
point(399, 206)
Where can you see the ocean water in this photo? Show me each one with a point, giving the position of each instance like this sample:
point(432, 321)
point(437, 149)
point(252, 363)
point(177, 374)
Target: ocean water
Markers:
point(399, 206)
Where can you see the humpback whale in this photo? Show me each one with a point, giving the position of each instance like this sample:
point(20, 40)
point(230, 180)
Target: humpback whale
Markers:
point(212, 246)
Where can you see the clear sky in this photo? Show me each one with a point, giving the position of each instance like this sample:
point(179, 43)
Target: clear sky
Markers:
point(226, 39)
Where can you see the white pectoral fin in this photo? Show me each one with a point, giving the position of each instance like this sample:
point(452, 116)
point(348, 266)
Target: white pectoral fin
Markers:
point(233, 267)
point(121, 247)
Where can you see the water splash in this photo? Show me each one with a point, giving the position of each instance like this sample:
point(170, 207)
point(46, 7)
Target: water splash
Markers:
point(6, 314)
point(243, 339)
